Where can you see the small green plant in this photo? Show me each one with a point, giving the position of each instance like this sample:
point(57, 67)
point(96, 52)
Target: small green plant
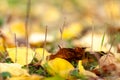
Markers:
point(75, 73)
point(37, 69)
point(5, 75)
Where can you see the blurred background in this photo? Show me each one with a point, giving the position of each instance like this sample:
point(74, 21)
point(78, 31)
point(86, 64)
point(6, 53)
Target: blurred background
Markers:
point(72, 22)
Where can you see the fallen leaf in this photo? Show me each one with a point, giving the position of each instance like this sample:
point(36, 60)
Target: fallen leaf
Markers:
point(39, 55)
point(13, 68)
point(80, 67)
point(31, 77)
point(69, 53)
point(18, 54)
point(6, 39)
point(107, 64)
point(18, 27)
point(60, 67)
point(107, 60)
point(85, 72)
point(2, 49)
point(72, 30)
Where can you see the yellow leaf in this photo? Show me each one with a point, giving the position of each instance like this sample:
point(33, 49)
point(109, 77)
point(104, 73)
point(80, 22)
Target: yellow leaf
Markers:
point(72, 30)
point(21, 55)
point(18, 78)
point(85, 72)
point(18, 28)
point(39, 54)
point(31, 77)
point(80, 67)
point(2, 49)
point(59, 66)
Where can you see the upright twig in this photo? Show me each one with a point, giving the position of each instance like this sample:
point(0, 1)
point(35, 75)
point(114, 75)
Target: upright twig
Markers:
point(38, 63)
point(59, 46)
point(112, 44)
point(45, 42)
point(15, 47)
point(110, 48)
point(61, 32)
point(92, 37)
point(26, 27)
point(33, 56)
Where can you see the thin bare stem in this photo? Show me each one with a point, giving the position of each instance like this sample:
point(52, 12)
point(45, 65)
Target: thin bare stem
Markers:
point(59, 46)
point(112, 44)
point(15, 47)
point(43, 48)
point(45, 42)
point(92, 37)
point(26, 27)
point(34, 55)
point(38, 63)
point(61, 31)
point(110, 48)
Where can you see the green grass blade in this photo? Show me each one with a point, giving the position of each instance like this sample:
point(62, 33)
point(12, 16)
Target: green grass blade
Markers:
point(103, 38)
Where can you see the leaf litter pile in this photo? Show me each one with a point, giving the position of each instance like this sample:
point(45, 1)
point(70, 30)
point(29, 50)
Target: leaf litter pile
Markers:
point(70, 52)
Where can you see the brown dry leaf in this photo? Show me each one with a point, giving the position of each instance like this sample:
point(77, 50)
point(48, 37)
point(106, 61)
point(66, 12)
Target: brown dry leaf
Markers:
point(108, 65)
point(107, 60)
point(69, 53)
point(6, 39)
